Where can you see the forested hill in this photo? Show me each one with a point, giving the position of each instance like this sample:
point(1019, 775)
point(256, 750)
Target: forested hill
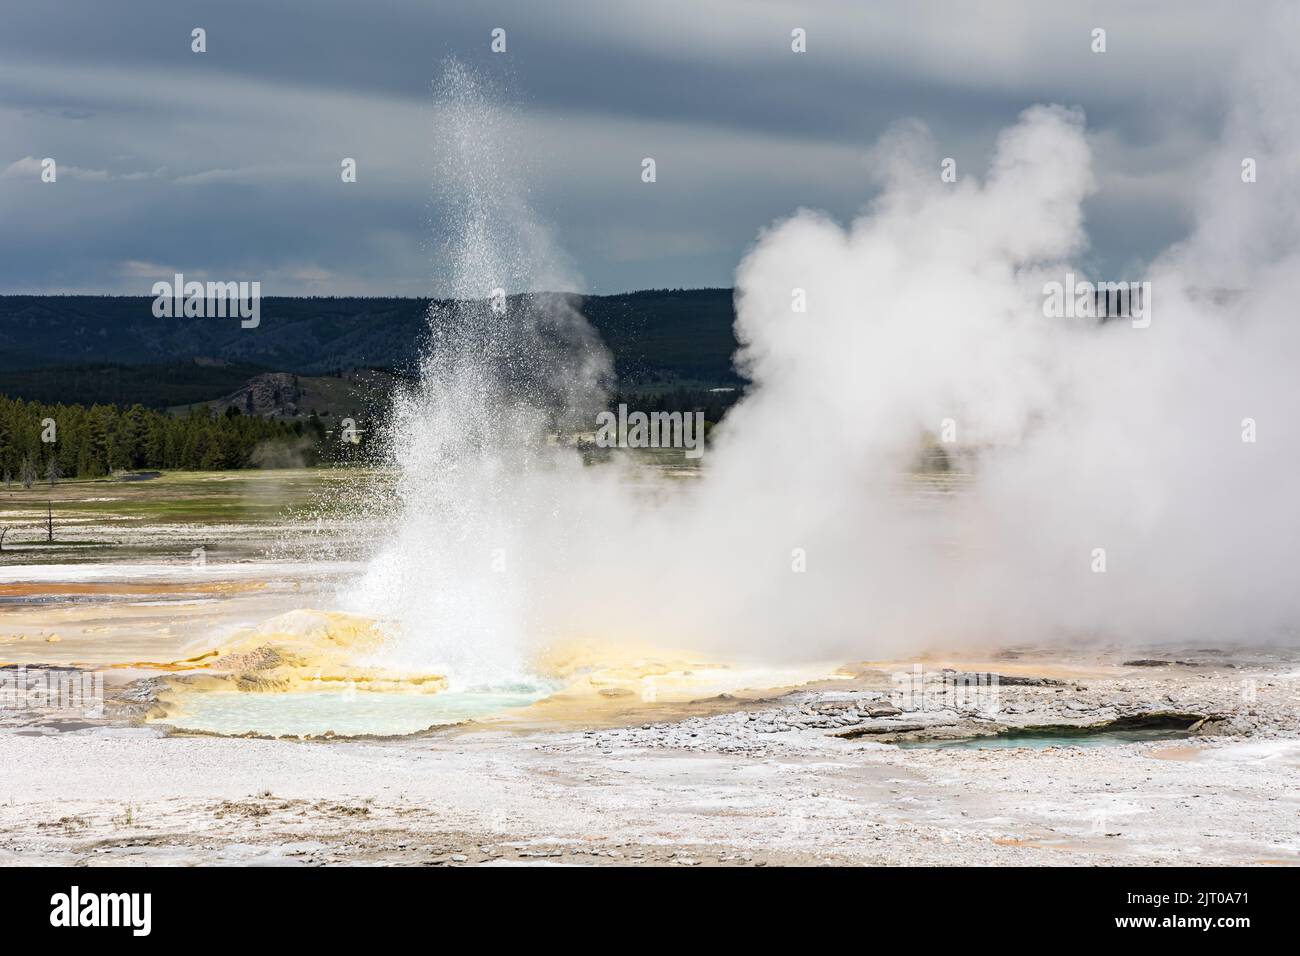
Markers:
point(668, 336)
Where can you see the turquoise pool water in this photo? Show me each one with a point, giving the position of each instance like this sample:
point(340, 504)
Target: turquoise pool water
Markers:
point(315, 713)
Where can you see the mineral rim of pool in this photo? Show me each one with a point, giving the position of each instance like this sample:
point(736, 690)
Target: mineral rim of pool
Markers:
point(1032, 741)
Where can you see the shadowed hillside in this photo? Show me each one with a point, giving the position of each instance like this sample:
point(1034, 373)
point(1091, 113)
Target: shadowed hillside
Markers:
point(113, 349)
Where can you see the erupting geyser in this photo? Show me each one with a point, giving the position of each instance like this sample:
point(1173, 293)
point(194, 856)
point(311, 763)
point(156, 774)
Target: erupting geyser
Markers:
point(470, 440)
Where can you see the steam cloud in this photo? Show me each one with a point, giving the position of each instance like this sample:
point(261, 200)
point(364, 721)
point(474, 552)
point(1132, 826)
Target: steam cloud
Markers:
point(1078, 435)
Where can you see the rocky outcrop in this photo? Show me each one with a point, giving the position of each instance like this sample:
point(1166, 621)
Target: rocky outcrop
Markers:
point(274, 393)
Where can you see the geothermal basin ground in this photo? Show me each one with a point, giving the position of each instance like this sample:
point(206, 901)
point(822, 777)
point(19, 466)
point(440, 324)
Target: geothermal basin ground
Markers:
point(1092, 755)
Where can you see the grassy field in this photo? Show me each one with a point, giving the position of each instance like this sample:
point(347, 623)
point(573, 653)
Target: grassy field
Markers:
point(165, 514)
point(182, 496)
point(230, 514)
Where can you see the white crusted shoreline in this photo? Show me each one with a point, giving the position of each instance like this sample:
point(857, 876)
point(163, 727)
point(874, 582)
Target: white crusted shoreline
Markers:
point(764, 783)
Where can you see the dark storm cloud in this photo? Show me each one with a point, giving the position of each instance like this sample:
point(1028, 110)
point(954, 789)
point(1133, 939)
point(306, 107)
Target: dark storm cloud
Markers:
point(228, 162)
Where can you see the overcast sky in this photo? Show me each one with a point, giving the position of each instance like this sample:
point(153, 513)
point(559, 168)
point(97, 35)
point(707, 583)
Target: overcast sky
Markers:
point(226, 164)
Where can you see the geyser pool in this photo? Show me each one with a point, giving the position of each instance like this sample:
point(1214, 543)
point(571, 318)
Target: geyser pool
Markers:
point(1030, 740)
point(347, 714)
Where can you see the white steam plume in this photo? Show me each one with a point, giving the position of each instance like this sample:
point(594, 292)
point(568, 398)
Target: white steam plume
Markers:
point(929, 306)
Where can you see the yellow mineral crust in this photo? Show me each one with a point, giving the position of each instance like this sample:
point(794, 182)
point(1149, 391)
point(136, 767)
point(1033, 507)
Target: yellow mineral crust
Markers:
point(657, 674)
point(307, 649)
